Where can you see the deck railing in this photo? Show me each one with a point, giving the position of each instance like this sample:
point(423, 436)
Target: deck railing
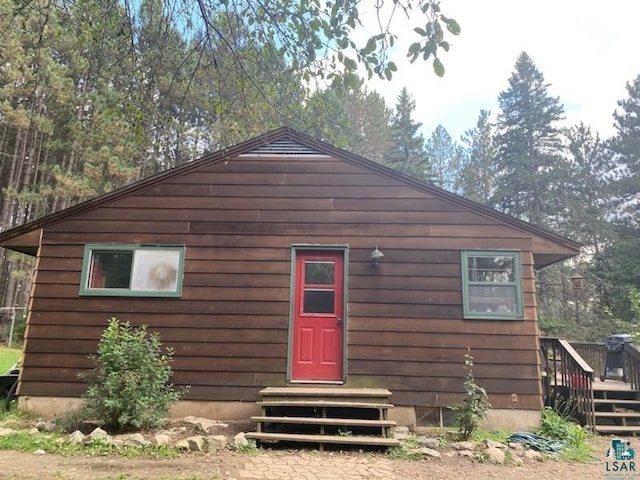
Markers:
point(631, 358)
point(595, 354)
point(568, 379)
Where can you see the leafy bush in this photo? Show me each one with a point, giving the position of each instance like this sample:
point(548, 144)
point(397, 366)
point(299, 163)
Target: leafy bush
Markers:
point(474, 405)
point(561, 427)
point(130, 385)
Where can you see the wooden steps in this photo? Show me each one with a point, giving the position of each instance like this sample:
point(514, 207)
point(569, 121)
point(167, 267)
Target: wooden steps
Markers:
point(617, 409)
point(330, 415)
point(324, 439)
point(349, 422)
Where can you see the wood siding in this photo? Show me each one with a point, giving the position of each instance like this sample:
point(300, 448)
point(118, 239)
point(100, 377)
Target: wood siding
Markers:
point(238, 220)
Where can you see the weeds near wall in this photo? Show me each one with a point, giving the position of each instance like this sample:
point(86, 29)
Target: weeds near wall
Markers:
point(474, 404)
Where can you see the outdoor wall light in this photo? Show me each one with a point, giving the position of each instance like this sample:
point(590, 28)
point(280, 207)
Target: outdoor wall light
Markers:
point(376, 256)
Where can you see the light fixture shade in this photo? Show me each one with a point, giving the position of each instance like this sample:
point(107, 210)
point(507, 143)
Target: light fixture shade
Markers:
point(375, 256)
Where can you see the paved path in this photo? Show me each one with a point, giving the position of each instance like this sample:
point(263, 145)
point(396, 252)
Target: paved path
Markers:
point(307, 466)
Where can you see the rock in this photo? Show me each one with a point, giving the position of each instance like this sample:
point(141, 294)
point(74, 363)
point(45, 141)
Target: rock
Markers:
point(6, 431)
point(162, 439)
point(465, 453)
point(39, 452)
point(429, 442)
point(492, 444)
point(462, 445)
point(135, 440)
point(494, 455)
point(400, 433)
point(182, 445)
point(99, 434)
point(216, 443)
point(204, 424)
point(48, 427)
point(34, 431)
point(532, 455)
point(76, 437)
point(518, 447)
point(240, 440)
point(429, 452)
point(196, 443)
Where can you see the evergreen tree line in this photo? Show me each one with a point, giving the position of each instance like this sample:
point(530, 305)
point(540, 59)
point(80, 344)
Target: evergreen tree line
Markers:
point(566, 179)
point(96, 95)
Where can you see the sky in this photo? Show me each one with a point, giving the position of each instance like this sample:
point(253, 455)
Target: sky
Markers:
point(587, 50)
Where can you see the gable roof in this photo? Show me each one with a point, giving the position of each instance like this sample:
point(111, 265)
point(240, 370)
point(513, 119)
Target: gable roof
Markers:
point(286, 141)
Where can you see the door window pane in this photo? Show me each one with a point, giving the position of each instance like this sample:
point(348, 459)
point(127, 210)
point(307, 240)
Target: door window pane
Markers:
point(319, 273)
point(318, 301)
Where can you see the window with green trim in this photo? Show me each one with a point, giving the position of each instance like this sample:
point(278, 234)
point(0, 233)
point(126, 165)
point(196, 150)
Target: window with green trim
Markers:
point(492, 285)
point(132, 270)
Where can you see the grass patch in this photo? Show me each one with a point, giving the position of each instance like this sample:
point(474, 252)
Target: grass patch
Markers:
point(8, 358)
point(24, 441)
point(480, 436)
point(55, 443)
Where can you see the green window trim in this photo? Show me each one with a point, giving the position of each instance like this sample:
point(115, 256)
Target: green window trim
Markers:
point(485, 307)
point(139, 274)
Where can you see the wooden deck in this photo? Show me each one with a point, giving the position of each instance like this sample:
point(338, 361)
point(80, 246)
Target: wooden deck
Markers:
point(611, 385)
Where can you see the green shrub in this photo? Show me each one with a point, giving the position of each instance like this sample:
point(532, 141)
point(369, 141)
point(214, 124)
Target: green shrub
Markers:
point(474, 405)
point(561, 427)
point(130, 386)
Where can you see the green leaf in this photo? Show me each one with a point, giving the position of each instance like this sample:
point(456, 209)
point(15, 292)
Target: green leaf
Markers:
point(392, 67)
point(420, 31)
point(453, 26)
point(350, 64)
point(438, 68)
point(414, 49)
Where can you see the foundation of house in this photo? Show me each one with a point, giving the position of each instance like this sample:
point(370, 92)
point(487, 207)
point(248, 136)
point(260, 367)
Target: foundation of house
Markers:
point(498, 419)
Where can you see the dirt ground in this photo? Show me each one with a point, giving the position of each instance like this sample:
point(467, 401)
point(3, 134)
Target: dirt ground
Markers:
point(267, 464)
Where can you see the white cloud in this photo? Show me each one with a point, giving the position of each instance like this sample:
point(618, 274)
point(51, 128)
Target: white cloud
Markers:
point(587, 51)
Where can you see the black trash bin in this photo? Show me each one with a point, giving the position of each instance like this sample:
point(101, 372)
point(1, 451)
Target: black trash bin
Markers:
point(614, 364)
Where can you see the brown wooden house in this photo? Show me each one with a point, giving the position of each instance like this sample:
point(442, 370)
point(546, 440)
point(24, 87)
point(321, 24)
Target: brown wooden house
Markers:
point(285, 261)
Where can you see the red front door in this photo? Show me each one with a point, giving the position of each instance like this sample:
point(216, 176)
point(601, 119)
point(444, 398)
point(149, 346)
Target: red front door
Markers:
point(317, 347)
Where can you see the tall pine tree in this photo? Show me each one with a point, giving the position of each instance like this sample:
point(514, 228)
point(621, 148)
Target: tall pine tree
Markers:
point(476, 171)
point(407, 153)
point(625, 147)
point(589, 192)
point(529, 148)
point(443, 154)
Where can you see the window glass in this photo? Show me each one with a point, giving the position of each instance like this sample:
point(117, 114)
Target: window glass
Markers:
point(319, 273)
point(155, 270)
point(496, 269)
point(492, 299)
point(132, 270)
point(318, 301)
point(110, 269)
point(492, 285)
